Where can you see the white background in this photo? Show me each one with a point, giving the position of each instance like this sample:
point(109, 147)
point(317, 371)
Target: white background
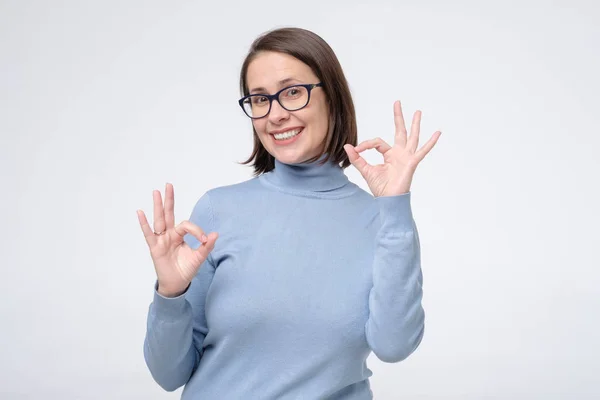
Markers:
point(102, 102)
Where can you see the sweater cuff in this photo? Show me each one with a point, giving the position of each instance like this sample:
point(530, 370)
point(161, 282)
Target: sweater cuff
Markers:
point(396, 210)
point(168, 307)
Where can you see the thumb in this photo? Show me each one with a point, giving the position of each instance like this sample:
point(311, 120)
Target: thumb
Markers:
point(359, 163)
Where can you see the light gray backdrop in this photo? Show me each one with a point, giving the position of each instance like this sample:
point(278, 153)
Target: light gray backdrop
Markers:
point(103, 101)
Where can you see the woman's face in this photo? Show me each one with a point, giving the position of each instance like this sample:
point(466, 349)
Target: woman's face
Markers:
point(267, 74)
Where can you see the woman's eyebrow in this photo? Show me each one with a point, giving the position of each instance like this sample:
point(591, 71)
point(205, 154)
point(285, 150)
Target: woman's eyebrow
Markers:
point(281, 83)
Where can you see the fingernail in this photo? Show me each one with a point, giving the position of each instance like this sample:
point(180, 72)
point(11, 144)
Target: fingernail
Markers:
point(204, 238)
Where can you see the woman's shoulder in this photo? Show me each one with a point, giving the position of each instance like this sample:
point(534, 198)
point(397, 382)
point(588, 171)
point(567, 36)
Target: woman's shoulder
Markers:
point(228, 195)
point(234, 189)
point(222, 201)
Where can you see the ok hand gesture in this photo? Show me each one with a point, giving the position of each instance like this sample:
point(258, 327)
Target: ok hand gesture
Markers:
point(175, 262)
point(394, 176)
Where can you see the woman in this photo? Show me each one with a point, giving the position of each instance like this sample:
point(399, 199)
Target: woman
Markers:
point(310, 273)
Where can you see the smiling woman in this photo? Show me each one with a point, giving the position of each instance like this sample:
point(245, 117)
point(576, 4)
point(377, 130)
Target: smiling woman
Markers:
point(310, 273)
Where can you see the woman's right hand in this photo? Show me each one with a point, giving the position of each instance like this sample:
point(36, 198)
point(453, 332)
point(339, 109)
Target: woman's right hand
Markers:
point(175, 262)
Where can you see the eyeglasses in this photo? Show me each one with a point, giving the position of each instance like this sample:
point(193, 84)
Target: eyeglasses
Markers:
point(291, 98)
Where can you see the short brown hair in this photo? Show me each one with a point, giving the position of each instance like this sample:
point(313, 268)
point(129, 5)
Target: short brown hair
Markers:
point(312, 50)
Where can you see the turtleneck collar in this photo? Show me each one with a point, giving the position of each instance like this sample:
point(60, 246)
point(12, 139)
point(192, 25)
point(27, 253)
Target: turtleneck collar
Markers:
point(307, 177)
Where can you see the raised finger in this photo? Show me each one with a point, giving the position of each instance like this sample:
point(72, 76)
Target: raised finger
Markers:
point(169, 206)
point(415, 128)
point(144, 224)
point(423, 151)
point(378, 144)
point(400, 135)
point(159, 212)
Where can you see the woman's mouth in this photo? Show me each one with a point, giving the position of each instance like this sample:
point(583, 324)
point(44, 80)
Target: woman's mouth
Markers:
point(287, 136)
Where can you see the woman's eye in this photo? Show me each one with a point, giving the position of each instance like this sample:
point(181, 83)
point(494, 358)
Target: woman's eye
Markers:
point(259, 100)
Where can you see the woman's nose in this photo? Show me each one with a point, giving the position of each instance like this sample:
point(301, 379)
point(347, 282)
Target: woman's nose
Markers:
point(277, 112)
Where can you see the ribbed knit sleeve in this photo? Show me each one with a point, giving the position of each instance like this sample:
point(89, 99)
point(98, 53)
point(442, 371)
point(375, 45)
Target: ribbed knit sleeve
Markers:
point(395, 325)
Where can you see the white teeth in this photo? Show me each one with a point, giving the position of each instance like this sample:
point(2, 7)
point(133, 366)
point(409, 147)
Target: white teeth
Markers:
point(287, 135)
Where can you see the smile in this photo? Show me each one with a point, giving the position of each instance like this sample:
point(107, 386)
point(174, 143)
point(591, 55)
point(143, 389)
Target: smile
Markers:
point(287, 135)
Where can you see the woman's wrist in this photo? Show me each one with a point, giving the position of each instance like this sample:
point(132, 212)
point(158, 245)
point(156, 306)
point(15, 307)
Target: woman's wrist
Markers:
point(170, 292)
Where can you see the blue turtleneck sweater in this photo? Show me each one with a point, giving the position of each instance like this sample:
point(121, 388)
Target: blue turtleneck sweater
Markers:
point(309, 275)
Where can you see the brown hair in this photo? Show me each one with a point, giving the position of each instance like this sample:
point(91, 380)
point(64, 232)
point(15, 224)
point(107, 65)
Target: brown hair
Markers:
point(312, 50)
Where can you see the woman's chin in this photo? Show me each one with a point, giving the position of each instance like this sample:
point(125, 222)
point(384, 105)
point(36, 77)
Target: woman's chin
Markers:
point(289, 157)
point(298, 159)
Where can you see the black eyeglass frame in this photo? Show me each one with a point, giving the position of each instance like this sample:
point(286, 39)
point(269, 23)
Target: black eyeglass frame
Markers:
point(309, 87)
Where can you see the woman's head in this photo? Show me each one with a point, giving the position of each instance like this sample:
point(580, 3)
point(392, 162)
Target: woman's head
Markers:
point(294, 57)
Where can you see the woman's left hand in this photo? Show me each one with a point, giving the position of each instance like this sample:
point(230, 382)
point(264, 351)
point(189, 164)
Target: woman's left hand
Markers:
point(400, 161)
